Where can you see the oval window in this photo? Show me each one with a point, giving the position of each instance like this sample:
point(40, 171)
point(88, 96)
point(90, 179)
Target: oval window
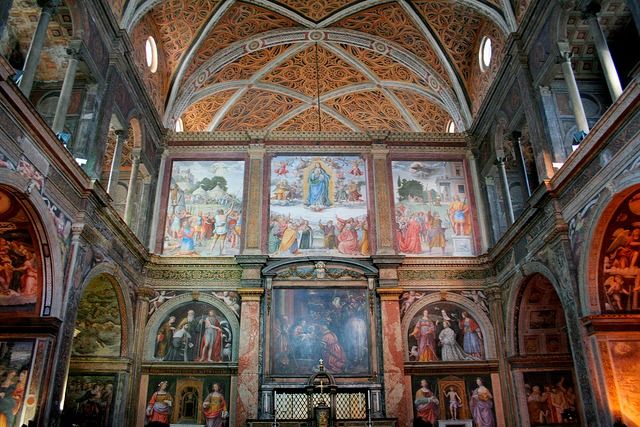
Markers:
point(179, 125)
point(151, 53)
point(485, 53)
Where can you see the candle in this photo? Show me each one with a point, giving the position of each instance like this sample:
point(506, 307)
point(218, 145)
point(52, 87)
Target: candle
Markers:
point(369, 405)
point(275, 409)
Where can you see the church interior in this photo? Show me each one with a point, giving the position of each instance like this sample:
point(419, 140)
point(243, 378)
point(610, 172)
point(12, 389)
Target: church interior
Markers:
point(319, 213)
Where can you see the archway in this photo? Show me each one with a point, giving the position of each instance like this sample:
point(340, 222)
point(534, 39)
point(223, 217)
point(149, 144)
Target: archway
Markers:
point(95, 390)
point(541, 361)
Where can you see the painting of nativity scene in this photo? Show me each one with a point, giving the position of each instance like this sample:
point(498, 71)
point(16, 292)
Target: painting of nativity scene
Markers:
point(433, 208)
point(204, 208)
point(313, 324)
point(318, 206)
point(444, 332)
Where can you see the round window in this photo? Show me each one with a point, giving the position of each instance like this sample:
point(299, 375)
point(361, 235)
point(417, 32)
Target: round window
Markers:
point(151, 53)
point(485, 53)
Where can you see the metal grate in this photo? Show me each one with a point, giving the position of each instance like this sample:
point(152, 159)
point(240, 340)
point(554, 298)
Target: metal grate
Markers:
point(293, 406)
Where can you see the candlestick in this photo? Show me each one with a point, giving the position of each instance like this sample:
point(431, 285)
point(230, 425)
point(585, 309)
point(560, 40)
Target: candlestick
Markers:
point(275, 408)
point(369, 406)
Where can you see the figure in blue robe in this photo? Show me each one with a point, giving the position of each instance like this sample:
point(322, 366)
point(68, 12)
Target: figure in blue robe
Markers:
point(318, 188)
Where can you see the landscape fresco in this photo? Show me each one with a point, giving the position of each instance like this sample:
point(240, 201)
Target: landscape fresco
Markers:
point(98, 325)
point(318, 206)
point(20, 283)
point(313, 324)
point(204, 208)
point(432, 208)
point(15, 364)
point(187, 399)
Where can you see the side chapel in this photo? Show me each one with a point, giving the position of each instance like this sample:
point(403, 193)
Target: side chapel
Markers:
point(319, 213)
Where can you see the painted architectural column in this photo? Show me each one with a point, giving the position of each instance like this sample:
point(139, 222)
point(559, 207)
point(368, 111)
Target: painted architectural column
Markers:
point(384, 217)
point(67, 88)
point(572, 88)
point(133, 178)
point(248, 355)
point(144, 294)
point(143, 204)
point(397, 386)
point(481, 209)
point(157, 200)
point(604, 54)
point(553, 126)
point(506, 193)
point(37, 42)
point(252, 242)
point(496, 313)
point(116, 161)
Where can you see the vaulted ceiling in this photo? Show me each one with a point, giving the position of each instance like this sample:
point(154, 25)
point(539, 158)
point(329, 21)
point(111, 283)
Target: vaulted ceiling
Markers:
point(302, 65)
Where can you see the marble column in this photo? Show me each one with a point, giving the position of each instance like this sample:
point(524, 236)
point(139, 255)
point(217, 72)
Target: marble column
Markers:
point(133, 179)
point(494, 295)
point(248, 355)
point(481, 209)
point(397, 387)
point(604, 55)
point(5, 7)
point(37, 42)
point(143, 205)
point(506, 193)
point(116, 161)
point(65, 93)
point(157, 200)
point(144, 294)
point(574, 93)
point(252, 244)
point(384, 216)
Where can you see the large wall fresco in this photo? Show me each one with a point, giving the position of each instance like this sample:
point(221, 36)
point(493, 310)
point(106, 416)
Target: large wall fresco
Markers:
point(312, 324)
point(619, 274)
point(20, 269)
point(204, 208)
point(443, 331)
point(551, 398)
point(196, 332)
point(318, 206)
point(468, 398)
point(187, 400)
point(433, 208)
point(89, 400)
point(15, 368)
point(98, 325)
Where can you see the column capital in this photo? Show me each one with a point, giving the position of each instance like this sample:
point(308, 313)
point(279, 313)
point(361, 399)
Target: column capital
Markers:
point(49, 5)
point(389, 294)
point(145, 293)
point(121, 135)
point(494, 292)
point(565, 51)
point(250, 294)
point(256, 151)
point(379, 149)
point(135, 155)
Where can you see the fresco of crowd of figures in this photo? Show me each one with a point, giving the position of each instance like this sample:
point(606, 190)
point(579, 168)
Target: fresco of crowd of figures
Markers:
point(319, 205)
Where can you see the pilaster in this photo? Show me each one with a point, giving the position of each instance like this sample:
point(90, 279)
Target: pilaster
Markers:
point(384, 223)
point(253, 229)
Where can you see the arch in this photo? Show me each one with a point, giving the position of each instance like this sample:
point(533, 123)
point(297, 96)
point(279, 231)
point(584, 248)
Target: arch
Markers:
point(113, 274)
point(155, 321)
point(367, 269)
point(515, 286)
point(136, 131)
point(610, 199)
point(181, 96)
point(489, 339)
point(51, 244)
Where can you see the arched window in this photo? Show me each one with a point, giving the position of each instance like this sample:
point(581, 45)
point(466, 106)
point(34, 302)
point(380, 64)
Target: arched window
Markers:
point(179, 125)
point(451, 127)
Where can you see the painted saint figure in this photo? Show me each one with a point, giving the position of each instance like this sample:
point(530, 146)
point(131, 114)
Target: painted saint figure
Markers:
point(482, 406)
point(160, 404)
point(318, 182)
point(211, 343)
point(426, 403)
point(454, 403)
point(450, 348)
point(215, 407)
point(472, 335)
point(425, 333)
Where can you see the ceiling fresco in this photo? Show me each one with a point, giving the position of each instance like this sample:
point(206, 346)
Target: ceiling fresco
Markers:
point(402, 66)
